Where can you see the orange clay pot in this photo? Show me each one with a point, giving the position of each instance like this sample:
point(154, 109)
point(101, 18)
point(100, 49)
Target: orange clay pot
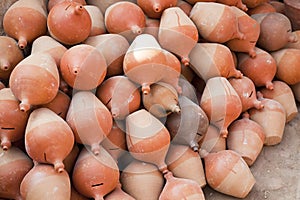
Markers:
point(162, 100)
point(113, 47)
point(69, 17)
point(261, 69)
point(83, 67)
point(35, 80)
point(103, 5)
point(251, 30)
point(220, 28)
point(246, 137)
point(14, 165)
point(42, 130)
point(213, 60)
point(43, 182)
point(155, 8)
point(97, 20)
point(10, 56)
point(144, 53)
point(12, 121)
point(177, 33)
point(120, 95)
point(147, 138)
point(89, 119)
point(95, 176)
point(212, 141)
point(221, 103)
point(26, 20)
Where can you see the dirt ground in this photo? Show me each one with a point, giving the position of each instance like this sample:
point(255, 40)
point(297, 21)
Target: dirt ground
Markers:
point(277, 169)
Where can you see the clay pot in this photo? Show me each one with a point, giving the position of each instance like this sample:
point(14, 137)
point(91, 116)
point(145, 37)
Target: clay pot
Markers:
point(234, 3)
point(42, 130)
point(224, 171)
point(152, 27)
point(128, 25)
point(162, 100)
point(275, 37)
point(43, 182)
point(185, 163)
point(142, 180)
point(213, 60)
point(189, 126)
point(25, 20)
point(291, 10)
point(10, 56)
point(180, 188)
point(185, 6)
point(144, 53)
point(47, 44)
point(264, 7)
point(52, 3)
point(220, 28)
point(251, 30)
point(83, 67)
point(261, 69)
point(35, 80)
point(69, 17)
point(155, 8)
point(288, 64)
point(118, 193)
point(113, 47)
point(273, 127)
point(89, 119)
point(246, 90)
point(120, 95)
point(212, 141)
point(95, 176)
point(253, 3)
point(14, 165)
point(147, 138)
point(295, 45)
point(12, 120)
point(60, 104)
point(115, 142)
point(221, 103)
point(246, 137)
point(283, 93)
point(177, 33)
point(97, 20)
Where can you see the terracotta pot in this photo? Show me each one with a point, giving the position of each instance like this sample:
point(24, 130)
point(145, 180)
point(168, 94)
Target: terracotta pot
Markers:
point(103, 5)
point(234, 3)
point(177, 33)
point(189, 126)
point(10, 56)
point(14, 165)
point(95, 176)
point(120, 95)
point(145, 52)
point(246, 137)
point(180, 188)
point(25, 21)
point(272, 118)
point(43, 182)
point(212, 141)
point(213, 60)
point(155, 8)
point(220, 28)
point(128, 25)
point(35, 80)
point(224, 170)
point(118, 193)
point(251, 30)
point(69, 17)
point(113, 47)
point(253, 3)
point(89, 119)
point(83, 67)
point(97, 20)
point(185, 163)
point(41, 143)
point(295, 45)
point(275, 37)
point(52, 3)
point(264, 7)
point(142, 180)
point(288, 64)
point(162, 100)
point(246, 90)
point(221, 103)
point(292, 7)
point(147, 138)
point(12, 120)
point(261, 69)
